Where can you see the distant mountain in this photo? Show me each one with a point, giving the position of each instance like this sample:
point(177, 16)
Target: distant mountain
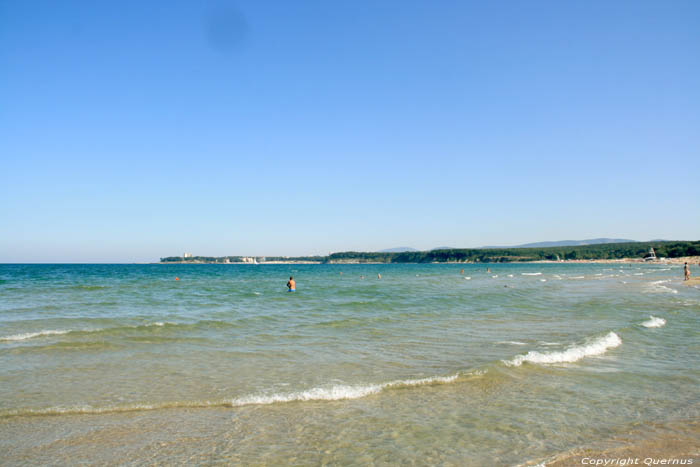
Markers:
point(592, 241)
point(400, 249)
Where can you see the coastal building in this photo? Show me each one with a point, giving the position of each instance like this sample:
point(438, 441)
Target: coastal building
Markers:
point(651, 256)
point(187, 255)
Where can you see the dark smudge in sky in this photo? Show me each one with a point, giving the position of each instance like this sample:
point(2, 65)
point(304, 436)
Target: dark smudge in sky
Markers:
point(226, 29)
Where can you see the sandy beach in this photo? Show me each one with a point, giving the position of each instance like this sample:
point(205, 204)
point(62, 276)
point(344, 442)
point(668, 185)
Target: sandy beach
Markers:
point(646, 444)
point(692, 260)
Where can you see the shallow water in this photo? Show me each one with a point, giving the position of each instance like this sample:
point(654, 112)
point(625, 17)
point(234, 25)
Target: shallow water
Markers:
point(122, 363)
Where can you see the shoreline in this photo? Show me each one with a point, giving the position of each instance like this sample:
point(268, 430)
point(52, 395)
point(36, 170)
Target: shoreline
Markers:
point(646, 444)
point(692, 282)
point(692, 260)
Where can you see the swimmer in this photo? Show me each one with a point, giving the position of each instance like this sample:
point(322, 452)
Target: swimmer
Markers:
point(379, 276)
point(686, 272)
point(462, 271)
point(291, 284)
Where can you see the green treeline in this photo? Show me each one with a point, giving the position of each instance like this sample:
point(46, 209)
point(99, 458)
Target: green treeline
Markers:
point(668, 249)
point(672, 249)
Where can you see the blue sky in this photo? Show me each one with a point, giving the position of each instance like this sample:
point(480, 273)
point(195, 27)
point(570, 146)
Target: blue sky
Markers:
point(133, 130)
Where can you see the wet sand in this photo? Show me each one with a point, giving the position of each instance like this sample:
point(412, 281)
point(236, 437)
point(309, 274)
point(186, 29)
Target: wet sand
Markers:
point(676, 443)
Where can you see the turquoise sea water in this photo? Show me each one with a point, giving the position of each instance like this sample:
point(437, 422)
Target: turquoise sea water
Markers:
point(122, 363)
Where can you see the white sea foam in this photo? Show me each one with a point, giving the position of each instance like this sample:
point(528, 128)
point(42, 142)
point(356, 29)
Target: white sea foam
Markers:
point(510, 275)
point(332, 393)
point(136, 326)
point(467, 278)
point(340, 392)
point(531, 273)
point(572, 354)
point(495, 276)
point(329, 393)
point(654, 322)
point(511, 343)
point(543, 280)
point(638, 274)
point(657, 286)
point(29, 335)
point(52, 332)
point(577, 277)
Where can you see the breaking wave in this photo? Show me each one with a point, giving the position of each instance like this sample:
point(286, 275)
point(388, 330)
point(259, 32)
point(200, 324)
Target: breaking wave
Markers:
point(658, 286)
point(330, 393)
point(54, 332)
point(29, 335)
point(572, 354)
point(654, 322)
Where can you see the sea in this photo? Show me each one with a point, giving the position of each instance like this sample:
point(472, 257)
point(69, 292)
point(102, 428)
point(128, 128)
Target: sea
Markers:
point(426, 364)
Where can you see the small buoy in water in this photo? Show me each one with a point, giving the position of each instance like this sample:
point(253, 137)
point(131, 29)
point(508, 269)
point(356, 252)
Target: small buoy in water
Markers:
point(177, 278)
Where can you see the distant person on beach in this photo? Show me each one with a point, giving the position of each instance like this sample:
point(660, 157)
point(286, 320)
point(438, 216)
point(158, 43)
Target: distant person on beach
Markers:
point(686, 271)
point(291, 284)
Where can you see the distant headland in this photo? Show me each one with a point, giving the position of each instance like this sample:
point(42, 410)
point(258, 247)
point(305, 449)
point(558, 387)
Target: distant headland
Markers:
point(632, 251)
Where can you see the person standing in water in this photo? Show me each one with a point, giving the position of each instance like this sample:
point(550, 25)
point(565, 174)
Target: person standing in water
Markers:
point(291, 284)
point(686, 271)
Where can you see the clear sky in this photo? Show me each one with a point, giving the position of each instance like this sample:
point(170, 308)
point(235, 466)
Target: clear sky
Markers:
point(131, 130)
